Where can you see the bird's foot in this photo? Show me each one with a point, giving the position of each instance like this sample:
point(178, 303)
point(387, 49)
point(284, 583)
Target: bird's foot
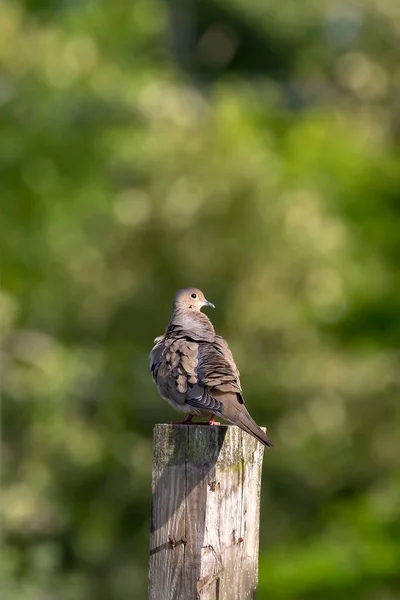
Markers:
point(188, 421)
point(212, 421)
point(185, 421)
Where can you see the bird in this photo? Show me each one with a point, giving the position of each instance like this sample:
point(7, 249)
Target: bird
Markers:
point(194, 370)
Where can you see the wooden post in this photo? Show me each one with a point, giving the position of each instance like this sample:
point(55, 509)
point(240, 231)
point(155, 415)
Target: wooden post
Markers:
point(205, 513)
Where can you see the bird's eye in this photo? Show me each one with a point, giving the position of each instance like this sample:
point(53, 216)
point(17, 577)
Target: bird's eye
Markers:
point(194, 295)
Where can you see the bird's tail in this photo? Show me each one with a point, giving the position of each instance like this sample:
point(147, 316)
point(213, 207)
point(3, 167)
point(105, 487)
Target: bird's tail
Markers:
point(245, 422)
point(232, 409)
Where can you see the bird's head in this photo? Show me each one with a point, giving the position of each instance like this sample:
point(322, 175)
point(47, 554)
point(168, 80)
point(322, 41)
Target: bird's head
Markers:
point(190, 299)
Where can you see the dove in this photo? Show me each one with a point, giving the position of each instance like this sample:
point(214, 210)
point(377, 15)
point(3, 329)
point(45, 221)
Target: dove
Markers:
point(194, 370)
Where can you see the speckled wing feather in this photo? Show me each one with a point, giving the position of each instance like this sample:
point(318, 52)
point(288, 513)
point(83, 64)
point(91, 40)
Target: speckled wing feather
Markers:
point(173, 364)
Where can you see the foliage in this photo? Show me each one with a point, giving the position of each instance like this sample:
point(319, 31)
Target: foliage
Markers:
point(252, 152)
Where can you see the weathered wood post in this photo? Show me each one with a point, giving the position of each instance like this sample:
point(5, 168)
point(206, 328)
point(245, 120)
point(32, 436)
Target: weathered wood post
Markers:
point(205, 513)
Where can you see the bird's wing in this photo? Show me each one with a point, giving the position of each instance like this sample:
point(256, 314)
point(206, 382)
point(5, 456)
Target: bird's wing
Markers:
point(173, 363)
point(217, 377)
point(217, 369)
point(222, 346)
point(156, 356)
point(199, 374)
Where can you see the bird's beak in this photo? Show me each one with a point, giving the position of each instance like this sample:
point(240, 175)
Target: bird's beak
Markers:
point(207, 303)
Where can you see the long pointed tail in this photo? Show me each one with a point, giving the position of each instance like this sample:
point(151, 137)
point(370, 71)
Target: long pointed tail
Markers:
point(248, 424)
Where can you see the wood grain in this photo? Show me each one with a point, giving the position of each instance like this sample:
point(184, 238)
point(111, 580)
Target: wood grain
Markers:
point(205, 513)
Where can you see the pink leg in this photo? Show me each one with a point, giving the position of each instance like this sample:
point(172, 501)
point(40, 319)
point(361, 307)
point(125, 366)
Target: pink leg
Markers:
point(212, 421)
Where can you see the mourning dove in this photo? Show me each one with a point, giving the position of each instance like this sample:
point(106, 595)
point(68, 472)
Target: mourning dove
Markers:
point(194, 370)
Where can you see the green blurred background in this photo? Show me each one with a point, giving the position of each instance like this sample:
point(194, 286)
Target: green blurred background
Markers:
point(247, 147)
